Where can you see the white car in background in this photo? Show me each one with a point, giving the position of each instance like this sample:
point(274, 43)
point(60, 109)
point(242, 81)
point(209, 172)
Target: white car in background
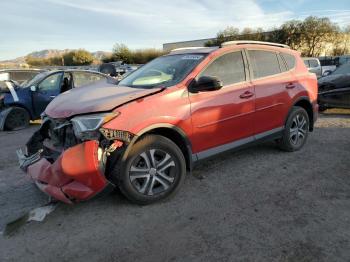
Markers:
point(314, 65)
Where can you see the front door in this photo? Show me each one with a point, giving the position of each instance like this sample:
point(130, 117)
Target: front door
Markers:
point(46, 91)
point(222, 117)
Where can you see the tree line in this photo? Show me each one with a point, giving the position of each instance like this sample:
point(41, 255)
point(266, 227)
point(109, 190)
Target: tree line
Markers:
point(311, 36)
point(73, 58)
point(140, 56)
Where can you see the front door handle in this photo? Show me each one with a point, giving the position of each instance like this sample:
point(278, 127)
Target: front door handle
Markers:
point(246, 94)
point(52, 97)
point(290, 86)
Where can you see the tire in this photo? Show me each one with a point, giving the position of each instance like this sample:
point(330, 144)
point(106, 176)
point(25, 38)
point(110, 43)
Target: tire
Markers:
point(17, 119)
point(296, 130)
point(154, 170)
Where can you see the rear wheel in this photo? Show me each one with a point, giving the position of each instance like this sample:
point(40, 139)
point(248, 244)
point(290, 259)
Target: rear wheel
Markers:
point(154, 170)
point(296, 130)
point(18, 118)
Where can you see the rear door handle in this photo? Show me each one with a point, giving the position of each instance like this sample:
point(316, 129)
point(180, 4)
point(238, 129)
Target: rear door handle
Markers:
point(246, 94)
point(290, 86)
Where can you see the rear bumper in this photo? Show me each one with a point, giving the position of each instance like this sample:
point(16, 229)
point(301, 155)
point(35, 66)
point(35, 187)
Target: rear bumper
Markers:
point(76, 175)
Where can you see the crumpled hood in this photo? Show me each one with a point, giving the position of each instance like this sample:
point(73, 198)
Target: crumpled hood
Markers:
point(94, 98)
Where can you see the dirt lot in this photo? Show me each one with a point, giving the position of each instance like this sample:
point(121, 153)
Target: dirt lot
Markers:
point(258, 204)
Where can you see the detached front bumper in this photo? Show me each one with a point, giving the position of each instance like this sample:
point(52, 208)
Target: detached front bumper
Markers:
point(76, 175)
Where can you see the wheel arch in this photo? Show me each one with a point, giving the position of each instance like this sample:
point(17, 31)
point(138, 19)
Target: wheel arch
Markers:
point(305, 103)
point(174, 133)
point(15, 104)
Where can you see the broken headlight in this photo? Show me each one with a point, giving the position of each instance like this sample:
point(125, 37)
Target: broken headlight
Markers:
point(86, 126)
point(112, 134)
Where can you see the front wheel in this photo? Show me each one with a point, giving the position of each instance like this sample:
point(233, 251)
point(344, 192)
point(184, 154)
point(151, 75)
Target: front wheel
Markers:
point(154, 170)
point(296, 130)
point(18, 118)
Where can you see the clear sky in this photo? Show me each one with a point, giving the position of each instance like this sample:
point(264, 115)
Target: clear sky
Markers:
point(33, 25)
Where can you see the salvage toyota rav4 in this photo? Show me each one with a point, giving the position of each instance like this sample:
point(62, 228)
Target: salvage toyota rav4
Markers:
point(144, 134)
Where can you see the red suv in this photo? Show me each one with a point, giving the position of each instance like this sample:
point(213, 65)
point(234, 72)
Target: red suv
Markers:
point(144, 134)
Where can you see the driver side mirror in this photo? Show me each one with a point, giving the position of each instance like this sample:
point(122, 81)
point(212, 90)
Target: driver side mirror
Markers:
point(206, 83)
point(33, 88)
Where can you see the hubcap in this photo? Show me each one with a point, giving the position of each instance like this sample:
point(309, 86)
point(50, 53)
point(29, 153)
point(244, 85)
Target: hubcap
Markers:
point(298, 129)
point(152, 172)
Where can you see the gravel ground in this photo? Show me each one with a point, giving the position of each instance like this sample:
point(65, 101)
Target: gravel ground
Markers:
point(257, 204)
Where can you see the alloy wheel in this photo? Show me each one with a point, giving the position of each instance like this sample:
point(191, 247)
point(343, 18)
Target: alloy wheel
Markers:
point(153, 172)
point(298, 129)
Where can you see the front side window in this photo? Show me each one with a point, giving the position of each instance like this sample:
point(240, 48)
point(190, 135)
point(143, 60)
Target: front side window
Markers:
point(164, 71)
point(264, 63)
point(52, 82)
point(228, 68)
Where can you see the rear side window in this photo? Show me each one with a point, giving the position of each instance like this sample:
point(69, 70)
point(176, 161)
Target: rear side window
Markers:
point(228, 68)
point(82, 78)
point(313, 63)
point(306, 62)
point(290, 60)
point(264, 63)
point(282, 64)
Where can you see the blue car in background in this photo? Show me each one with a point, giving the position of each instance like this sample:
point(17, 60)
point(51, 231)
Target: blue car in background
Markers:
point(21, 103)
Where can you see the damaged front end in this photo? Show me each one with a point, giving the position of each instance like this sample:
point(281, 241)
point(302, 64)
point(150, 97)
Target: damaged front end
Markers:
point(71, 160)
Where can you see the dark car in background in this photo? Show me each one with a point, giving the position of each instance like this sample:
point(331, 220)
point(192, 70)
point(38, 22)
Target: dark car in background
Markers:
point(21, 103)
point(117, 69)
point(334, 89)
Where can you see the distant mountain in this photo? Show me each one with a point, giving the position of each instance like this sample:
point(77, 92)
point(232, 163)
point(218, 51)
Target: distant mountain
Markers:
point(51, 53)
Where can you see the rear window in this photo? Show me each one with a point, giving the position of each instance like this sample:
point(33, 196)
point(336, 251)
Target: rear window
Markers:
point(290, 60)
point(264, 63)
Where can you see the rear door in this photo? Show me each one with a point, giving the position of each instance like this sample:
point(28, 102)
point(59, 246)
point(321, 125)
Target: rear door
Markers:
point(46, 91)
point(226, 115)
point(271, 81)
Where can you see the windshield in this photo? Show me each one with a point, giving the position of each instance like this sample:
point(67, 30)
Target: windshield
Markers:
point(164, 71)
point(341, 70)
point(33, 81)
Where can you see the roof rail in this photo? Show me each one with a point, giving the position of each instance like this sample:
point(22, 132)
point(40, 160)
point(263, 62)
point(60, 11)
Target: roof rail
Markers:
point(186, 48)
point(247, 42)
